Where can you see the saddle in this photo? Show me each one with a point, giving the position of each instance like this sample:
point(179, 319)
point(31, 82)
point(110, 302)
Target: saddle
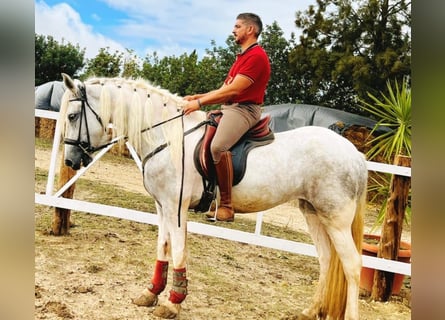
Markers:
point(259, 135)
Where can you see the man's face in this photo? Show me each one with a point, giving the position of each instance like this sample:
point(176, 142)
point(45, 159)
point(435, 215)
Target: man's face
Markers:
point(240, 31)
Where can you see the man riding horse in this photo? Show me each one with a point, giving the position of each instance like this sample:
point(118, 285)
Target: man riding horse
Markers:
point(242, 95)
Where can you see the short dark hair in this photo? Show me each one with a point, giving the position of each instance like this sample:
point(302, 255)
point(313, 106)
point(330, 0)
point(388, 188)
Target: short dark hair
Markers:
point(253, 19)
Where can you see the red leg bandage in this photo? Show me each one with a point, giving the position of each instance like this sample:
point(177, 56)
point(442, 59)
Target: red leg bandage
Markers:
point(159, 280)
point(179, 289)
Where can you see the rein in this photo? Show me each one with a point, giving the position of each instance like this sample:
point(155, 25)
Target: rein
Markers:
point(182, 173)
point(162, 122)
point(165, 145)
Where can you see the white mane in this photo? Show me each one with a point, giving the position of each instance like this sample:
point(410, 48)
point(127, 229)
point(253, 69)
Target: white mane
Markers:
point(134, 105)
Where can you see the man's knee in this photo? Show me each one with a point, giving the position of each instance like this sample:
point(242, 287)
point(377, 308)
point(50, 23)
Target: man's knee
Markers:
point(216, 155)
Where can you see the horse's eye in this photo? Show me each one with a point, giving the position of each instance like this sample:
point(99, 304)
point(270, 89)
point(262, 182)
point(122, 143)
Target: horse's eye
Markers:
point(73, 116)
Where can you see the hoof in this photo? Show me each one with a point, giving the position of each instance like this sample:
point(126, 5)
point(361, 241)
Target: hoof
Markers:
point(167, 311)
point(146, 299)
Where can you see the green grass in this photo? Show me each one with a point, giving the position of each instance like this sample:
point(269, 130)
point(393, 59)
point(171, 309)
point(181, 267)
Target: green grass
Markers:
point(43, 143)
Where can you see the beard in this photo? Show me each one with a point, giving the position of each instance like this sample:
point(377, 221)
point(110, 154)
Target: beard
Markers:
point(240, 40)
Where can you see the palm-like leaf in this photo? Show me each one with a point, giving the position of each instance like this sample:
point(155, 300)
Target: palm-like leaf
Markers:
point(394, 112)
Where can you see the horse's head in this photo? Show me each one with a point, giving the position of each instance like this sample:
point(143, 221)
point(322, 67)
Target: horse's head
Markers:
point(138, 112)
point(84, 130)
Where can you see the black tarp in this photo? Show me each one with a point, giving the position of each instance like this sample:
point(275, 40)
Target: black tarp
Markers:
point(49, 95)
point(283, 116)
point(290, 116)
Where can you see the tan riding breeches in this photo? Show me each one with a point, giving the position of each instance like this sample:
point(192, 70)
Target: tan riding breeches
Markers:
point(236, 121)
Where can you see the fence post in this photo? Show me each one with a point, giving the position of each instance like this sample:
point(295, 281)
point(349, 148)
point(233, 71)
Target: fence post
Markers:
point(392, 230)
point(61, 218)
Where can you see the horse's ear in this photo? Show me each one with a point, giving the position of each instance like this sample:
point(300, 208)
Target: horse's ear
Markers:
point(69, 83)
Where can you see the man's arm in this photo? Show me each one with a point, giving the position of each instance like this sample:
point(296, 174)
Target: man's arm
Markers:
point(221, 95)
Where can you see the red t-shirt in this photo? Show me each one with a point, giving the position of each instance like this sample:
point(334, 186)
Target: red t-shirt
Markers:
point(254, 64)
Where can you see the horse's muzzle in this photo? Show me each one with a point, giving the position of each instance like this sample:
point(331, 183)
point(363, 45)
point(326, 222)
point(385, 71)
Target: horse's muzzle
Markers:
point(86, 159)
point(76, 162)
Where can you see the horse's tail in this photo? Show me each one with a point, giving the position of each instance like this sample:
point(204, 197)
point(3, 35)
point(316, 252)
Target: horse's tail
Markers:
point(336, 285)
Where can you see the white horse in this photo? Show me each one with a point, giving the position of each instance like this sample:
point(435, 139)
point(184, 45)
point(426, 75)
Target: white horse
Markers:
point(315, 165)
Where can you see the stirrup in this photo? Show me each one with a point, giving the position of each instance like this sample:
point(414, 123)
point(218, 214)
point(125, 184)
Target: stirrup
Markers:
point(207, 197)
point(216, 210)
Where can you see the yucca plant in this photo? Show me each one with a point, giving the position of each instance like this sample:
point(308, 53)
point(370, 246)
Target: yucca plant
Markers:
point(394, 112)
point(379, 188)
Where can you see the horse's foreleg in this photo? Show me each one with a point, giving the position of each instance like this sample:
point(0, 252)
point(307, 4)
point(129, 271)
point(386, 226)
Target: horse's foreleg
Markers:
point(178, 293)
point(171, 308)
point(149, 296)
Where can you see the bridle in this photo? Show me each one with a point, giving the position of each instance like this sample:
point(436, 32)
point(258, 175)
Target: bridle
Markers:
point(85, 146)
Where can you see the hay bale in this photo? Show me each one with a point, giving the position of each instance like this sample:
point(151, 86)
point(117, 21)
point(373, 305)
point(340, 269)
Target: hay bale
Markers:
point(44, 128)
point(116, 150)
point(359, 136)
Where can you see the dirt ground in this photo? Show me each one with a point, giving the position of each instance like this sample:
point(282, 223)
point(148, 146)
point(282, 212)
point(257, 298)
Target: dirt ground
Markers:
point(105, 262)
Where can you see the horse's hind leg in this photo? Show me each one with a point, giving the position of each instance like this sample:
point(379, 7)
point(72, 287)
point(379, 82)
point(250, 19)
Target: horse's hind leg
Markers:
point(322, 244)
point(338, 228)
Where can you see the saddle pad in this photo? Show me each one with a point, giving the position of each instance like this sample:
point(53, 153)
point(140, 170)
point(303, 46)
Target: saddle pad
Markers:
point(240, 152)
point(239, 156)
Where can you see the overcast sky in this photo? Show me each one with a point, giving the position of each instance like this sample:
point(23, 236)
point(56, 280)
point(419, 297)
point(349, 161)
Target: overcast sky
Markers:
point(169, 27)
